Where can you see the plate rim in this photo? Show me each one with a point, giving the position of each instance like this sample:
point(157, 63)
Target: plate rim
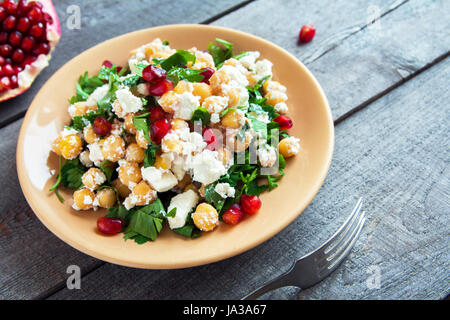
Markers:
point(134, 264)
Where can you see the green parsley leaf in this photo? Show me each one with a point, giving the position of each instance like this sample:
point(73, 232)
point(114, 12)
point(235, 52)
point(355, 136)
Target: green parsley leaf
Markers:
point(213, 198)
point(108, 168)
point(178, 59)
point(141, 124)
point(150, 154)
point(172, 213)
point(201, 114)
point(71, 174)
point(221, 52)
point(177, 74)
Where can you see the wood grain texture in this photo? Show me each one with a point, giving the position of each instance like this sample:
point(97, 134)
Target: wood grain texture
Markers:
point(102, 20)
point(353, 62)
point(33, 261)
point(395, 154)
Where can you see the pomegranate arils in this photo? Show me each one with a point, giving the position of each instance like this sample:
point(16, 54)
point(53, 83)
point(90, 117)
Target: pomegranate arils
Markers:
point(153, 74)
point(159, 129)
point(2, 13)
point(233, 215)
point(5, 50)
point(3, 36)
point(2, 61)
point(18, 69)
point(156, 113)
point(35, 14)
point(250, 203)
point(285, 122)
point(28, 43)
point(4, 84)
point(15, 38)
point(8, 70)
point(10, 6)
point(306, 34)
point(14, 83)
point(43, 48)
point(23, 24)
point(159, 88)
point(18, 56)
point(37, 30)
point(48, 18)
point(9, 23)
point(101, 126)
point(29, 60)
point(107, 64)
point(210, 138)
point(207, 74)
point(108, 225)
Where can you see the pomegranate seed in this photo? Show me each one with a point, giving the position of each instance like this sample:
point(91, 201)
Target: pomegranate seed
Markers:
point(29, 60)
point(37, 30)
point(107, 225)
point(2, 13)
point(8, 70)
point(306, 34)
point(3, 37)
point(156, 113)
point(9, 23)
point(14, 83)
point(101, 126)
point(15, 38)
point(250, 203)
point(210, 138)
point(36, 4)
point(28, 43)
point(4, 84)
point(23, 24)
point(21, 8)
point(207, 74)
point(48, 18)
point(18, 56)
point(10, 6)
point(233, 215)
point(153, 74)
point(107, 64)
point(159, 88)
point(285, 122)
point(35, 14)
point(18, 69)
point(43, 48)
point(2, 61)
point(159, 129)
point(5, 50)
point(1, 71)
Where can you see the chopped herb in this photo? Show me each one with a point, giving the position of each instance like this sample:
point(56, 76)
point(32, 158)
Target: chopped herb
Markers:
point(221, 52)
point(108, 169)
point(141, 124)
point(150, 154)
point(178, 59)
point(85, 86)
point(71, 174)
point(177, 74)
point(201, 114)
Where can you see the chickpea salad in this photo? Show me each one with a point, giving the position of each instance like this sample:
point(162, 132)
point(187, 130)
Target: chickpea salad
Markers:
point(191, 137)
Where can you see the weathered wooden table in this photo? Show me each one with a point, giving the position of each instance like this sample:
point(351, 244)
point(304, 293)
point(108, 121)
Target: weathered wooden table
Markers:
point(389, 88)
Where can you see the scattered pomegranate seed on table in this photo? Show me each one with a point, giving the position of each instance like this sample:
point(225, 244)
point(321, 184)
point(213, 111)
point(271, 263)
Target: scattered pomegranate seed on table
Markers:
point(250, 203)
point(306, 34)
point(284, 122)
point(110, 226)
point(233, 215)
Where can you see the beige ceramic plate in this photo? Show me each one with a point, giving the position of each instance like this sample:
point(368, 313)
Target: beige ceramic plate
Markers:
point(304, 174)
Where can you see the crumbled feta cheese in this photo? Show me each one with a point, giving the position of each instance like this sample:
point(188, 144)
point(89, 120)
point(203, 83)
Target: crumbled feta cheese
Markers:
point(235, 75)
point(69, 131)
point(160, 180)
point(294, 145)
point(129, 202)
point(267, 156)
point(206, 167)
point(215, 104)
point(186, 105)
point(95, 153)
point(281, 108)
point(129, 103)
point(142, 88)
point(263, 68)
point(178, 167)
point(97, 95)
point(249, 59)
point(215, 118)
point(184, 202)
point(225, 190)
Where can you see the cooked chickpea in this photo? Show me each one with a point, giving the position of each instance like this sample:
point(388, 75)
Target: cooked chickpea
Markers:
point(135, 153)
point(202, 90)
point(128, 124)
point(182, 87)
point(141, 140)
point(218, 79)
point(162, 162)
point(129, 173)
point(55, 145)
point(215, 104)
point(106, 198)
point(178, 124)
point(70, 146)
point(122, 189)
point(271, 85)
point(78, 109)
point(83, 199)
point(89, 135)
point(233, 119)
point(144, 193)
point(205, 217)
point(289, 147)
point(252, 79)
point(170, 144)
point(233, 94)
point(93, 178)
point(113, 148)
point(274, 97)
point(167, 100)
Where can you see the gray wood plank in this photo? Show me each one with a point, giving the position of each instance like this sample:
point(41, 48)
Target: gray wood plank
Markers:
point(33, 262)
point(353, 62)
point(101, 20)
point(394, 153)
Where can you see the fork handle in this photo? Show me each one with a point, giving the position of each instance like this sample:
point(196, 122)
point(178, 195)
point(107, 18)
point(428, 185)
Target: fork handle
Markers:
point(283, 280)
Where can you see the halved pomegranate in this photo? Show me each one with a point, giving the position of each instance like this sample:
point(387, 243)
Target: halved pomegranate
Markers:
point(29, 31)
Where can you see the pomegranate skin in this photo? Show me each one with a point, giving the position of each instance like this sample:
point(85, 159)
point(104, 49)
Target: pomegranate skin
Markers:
point(33, 29)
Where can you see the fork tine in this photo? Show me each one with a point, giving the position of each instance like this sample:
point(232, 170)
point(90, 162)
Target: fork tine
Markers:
point(327, 246)
point(334, 262)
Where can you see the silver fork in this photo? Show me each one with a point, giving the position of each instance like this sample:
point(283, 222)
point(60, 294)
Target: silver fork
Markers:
point(319, 264)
